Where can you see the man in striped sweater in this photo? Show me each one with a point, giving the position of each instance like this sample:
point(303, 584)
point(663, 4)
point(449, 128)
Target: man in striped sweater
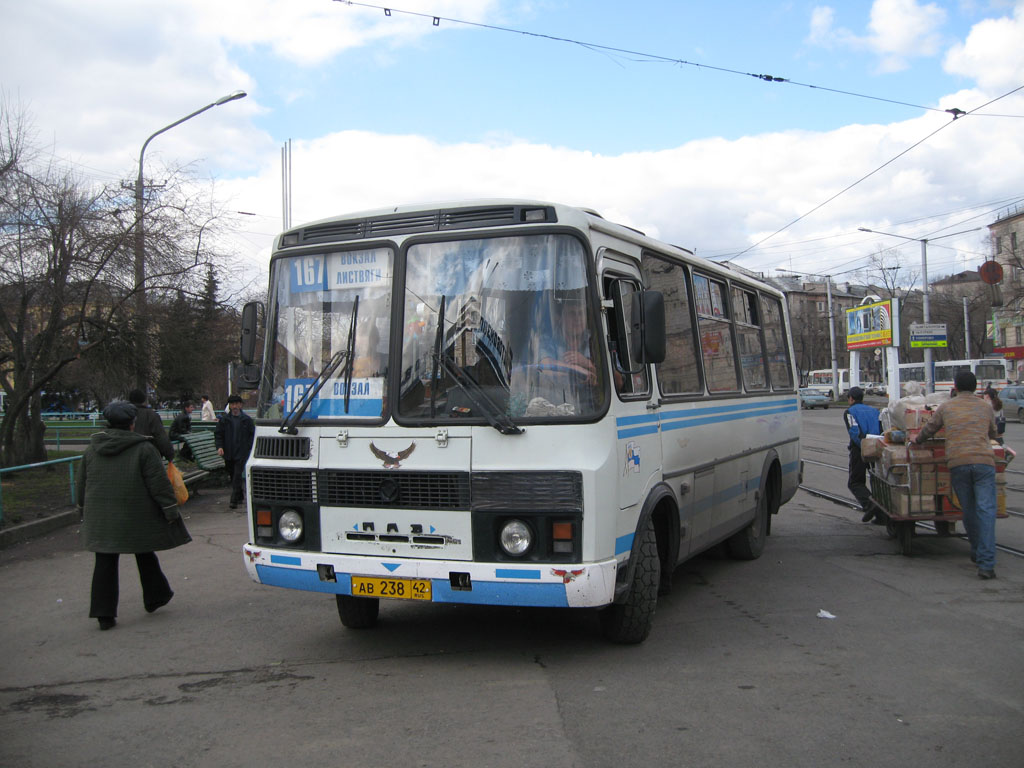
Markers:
point(970, 426)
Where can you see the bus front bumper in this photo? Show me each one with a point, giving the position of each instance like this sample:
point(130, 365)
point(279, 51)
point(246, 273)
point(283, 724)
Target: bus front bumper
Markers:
point(570, 585)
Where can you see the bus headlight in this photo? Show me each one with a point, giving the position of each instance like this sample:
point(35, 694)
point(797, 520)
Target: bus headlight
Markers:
point(290, 526)
point(516, 537)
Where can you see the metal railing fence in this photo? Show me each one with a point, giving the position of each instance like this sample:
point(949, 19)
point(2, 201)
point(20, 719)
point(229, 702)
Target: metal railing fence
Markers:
point(70, 461)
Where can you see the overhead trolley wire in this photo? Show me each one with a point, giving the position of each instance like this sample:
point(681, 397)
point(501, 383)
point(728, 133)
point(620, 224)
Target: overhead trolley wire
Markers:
point(954, 111)
point(866, 176)
point(436, 20)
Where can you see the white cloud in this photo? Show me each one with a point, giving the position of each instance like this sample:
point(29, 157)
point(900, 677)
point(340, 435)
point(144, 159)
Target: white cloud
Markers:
point(309, 32)
point(714, 195)
point(993, 53)
point(822, 26)
point(136, 67)
point(901, 29)
point(106, 74)
point(897, 30)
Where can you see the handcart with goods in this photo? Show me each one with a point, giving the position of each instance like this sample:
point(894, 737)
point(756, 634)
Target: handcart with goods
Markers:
point(911, 483)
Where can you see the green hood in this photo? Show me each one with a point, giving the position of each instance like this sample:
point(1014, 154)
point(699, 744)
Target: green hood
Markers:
point(111, 442)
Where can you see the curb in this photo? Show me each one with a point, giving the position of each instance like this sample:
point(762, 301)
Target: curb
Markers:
point(30, 530)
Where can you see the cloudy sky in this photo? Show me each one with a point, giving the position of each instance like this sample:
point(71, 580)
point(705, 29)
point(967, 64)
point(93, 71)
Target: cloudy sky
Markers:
point(650, 112)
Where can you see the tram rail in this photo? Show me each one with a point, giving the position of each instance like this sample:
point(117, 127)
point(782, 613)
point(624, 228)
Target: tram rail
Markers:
point(850, 503)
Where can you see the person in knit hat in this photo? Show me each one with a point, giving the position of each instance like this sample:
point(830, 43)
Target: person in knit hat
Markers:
point(127, 506)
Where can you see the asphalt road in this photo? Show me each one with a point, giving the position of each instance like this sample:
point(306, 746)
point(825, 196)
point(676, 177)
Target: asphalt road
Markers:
point(920, 666)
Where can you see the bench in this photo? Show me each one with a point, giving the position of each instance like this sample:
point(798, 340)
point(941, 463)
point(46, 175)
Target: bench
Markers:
point(205, 456)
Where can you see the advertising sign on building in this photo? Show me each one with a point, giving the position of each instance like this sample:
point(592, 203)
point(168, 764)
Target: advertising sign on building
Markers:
point(869, 325)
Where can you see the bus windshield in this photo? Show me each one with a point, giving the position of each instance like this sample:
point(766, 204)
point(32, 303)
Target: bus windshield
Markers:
point(313, 303)
point(499, 325)
point(492, 330)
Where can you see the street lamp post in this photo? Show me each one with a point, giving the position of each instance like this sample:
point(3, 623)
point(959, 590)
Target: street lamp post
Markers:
point(929, 379)
point(142, 321)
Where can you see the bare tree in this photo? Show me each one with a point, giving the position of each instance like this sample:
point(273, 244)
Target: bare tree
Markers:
point(67, 278)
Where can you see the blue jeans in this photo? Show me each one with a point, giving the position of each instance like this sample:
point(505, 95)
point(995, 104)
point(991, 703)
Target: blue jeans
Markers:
point(975, 486)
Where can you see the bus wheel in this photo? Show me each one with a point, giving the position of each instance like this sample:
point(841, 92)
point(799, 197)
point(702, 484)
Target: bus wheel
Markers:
point(748, 544)
point(630, 621)
point(358, 612)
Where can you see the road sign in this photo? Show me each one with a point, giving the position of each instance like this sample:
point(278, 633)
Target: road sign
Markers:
point(927, 335)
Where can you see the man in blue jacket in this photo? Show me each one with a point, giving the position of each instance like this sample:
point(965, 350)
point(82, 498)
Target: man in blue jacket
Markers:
point(861, 420)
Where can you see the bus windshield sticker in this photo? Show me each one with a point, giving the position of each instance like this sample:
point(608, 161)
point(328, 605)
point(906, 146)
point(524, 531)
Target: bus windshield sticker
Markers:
point(366, 398)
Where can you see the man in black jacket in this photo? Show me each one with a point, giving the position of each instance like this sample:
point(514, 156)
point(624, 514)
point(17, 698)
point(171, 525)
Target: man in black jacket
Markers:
point(147, 422)
point(233, 437)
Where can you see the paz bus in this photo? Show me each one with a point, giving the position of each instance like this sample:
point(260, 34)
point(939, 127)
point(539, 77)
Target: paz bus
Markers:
point(510, 403)
point(990, 370)
point(821, 381)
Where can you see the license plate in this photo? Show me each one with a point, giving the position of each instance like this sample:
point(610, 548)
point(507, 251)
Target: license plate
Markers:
point(397, 589)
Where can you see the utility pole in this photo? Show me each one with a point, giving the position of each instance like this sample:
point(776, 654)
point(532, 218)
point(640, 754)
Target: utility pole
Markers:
point(836, 382)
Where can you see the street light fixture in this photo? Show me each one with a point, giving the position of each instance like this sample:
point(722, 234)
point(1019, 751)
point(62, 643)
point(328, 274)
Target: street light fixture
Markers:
point(142, 321)
point(929, 383)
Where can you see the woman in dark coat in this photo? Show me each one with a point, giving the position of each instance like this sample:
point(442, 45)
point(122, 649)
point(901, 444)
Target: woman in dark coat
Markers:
point(128, 507)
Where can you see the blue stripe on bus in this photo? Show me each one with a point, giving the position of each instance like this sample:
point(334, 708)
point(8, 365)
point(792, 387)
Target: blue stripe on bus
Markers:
point(652, 430)
point(502, 593)
point(625, 421)
point(483, 592)
point(285, 560)
point(700, 416)
point(512, 573)
point(293, 578)
point(684, 422)
point(624, 544)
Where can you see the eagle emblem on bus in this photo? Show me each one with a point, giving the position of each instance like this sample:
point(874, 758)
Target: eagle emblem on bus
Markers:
point(566, 574)
point(392, 460)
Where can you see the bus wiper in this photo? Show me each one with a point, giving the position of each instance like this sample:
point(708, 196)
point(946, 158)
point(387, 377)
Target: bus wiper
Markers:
point(495, 416)
point(339, 357)
point(438, 341)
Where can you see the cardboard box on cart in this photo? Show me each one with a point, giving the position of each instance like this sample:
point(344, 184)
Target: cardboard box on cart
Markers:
point(934, 483)
point(905, 504)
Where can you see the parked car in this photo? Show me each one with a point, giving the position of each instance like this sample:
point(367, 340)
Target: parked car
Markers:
point(1013, 402)
point(812, 398)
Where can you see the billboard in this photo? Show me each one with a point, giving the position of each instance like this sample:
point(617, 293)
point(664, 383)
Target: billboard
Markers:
point(869, 325)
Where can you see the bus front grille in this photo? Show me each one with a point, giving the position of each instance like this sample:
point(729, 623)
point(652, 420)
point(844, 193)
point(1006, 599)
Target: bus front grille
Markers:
point(272, 447)
point(294, 485)
point(395, 490)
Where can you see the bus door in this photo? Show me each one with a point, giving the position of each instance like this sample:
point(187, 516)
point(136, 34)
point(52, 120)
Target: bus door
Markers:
point(680, 392)
point(638, 441)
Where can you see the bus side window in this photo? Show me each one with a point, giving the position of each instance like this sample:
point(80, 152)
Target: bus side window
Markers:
point(680, 372)
point(629, 376)
point(775, 343)
point(715, 335)
point(748, 338)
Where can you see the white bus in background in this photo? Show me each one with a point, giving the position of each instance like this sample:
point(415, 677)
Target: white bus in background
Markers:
point(996, 371)
point(821, 381)
point(511, 403)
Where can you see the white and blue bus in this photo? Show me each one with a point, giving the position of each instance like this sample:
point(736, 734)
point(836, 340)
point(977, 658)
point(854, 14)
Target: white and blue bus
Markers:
point(821, 381)
point(510, 403)
point(995, 371)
